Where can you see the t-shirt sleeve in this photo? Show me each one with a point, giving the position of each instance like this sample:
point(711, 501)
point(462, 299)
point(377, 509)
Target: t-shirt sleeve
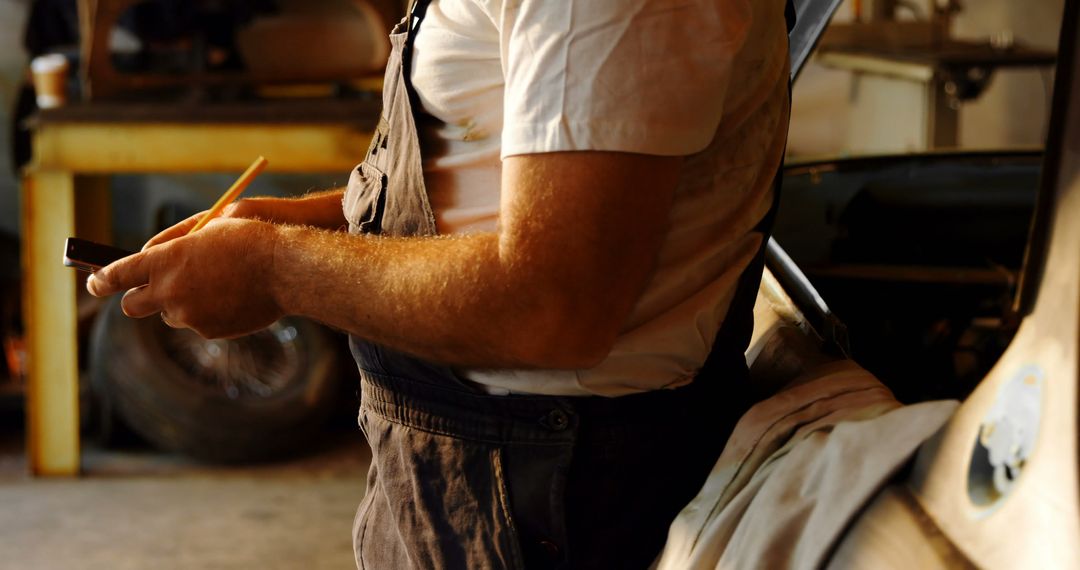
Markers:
point(643, 76)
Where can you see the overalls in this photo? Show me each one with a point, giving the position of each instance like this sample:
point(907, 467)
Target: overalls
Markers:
point(463, 479)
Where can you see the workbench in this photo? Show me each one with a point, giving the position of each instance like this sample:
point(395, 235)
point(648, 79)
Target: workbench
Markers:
point(910, 96)
point(65, 192)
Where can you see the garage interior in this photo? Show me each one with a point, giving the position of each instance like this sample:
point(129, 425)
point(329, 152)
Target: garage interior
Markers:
point(101, 464)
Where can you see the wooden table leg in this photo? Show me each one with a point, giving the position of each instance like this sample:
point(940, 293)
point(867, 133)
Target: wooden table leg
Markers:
point(52, 403)
point(93, 208)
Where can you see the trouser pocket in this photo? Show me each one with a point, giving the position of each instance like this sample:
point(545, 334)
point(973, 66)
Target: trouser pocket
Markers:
point(434, 501)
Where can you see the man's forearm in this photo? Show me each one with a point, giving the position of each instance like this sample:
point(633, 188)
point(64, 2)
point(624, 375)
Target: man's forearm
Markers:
point(320, 209)
point(578, 240)
point(450, 299)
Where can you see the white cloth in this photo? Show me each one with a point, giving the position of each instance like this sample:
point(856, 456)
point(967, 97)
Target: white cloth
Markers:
point(796, 470)
point(703, 78)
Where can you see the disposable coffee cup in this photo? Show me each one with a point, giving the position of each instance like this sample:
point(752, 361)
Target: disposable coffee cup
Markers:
point(50, 80)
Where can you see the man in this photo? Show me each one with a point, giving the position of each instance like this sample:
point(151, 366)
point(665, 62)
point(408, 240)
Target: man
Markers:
point(596, 172)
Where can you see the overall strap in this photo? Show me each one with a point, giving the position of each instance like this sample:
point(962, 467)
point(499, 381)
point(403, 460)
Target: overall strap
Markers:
point(417, 11)
point(732, 339)
point(738, 324)
point(734, 335)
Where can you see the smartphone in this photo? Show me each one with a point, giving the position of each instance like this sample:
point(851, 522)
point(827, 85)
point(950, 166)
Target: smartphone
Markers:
point(89, 256)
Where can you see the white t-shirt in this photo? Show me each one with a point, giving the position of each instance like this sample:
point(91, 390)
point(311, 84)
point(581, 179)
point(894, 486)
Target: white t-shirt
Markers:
point(702, 78)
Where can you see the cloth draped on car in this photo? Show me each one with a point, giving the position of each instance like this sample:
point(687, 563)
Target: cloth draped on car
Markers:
point(797, 470)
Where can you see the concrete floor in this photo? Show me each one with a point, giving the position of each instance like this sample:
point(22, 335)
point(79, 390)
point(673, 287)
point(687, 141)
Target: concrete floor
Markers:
point(139, 509)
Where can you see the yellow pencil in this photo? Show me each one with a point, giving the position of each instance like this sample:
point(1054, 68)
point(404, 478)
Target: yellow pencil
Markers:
point(231, 194)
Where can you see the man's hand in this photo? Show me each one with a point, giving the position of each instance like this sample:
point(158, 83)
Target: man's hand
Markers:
point(213, 281)
point(319, 209)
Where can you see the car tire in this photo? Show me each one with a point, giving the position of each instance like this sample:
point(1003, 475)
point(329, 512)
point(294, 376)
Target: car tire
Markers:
point(248, 399)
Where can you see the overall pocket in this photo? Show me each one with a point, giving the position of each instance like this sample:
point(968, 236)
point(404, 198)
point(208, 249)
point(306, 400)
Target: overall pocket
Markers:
point(365, 199)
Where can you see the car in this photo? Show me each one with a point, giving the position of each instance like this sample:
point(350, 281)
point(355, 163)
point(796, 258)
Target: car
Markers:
point(973, 319)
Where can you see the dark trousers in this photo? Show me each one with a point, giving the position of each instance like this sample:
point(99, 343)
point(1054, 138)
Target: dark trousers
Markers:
point(462, 479)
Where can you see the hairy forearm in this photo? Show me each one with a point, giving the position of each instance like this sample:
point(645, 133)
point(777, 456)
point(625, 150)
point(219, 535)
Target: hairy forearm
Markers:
point(325, 208)
point(456, 300)
point(579, 237)
point(321, 209)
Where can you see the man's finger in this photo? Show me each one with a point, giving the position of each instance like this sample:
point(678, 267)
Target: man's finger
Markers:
point(172, 232)
point(127, 273)
point(140, 302)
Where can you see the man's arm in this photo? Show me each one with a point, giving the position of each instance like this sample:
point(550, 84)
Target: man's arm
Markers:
point(578, 240)
point(317, 209)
